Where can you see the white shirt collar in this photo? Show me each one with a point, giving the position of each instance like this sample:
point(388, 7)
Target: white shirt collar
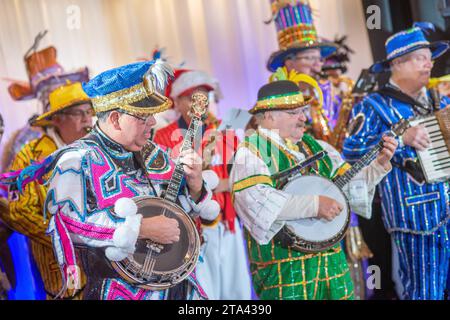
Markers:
point(51, 132)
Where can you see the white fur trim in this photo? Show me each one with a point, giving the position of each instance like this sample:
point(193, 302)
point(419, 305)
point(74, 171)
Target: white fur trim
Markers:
point(125, 207)
point(189, 80)
point(198, 206)
point(115, 254)
point(210, 210)
point(126, 235)
point(211, 178)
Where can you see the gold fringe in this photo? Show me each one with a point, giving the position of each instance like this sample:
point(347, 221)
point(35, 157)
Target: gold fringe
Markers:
point(284, 103)
point(123, 99)
point(145, 111)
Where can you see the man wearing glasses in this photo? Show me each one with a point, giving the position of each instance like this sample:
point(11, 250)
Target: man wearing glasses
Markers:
point(94, 178)
point(415, 212)
point(302, 50)
point(223, 271)
point(280, 142)
point(69, 118)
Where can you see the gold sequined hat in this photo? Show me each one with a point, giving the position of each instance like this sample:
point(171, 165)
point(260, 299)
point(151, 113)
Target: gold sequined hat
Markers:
point(280, 95)
point(135, 88)
point(295, 31)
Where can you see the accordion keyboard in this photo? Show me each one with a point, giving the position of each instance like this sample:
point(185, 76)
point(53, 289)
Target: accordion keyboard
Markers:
point(435, 160)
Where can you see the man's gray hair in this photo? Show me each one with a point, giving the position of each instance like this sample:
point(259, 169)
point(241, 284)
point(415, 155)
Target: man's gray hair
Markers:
point(260, 116)
point(103, 116)
point(290, 56)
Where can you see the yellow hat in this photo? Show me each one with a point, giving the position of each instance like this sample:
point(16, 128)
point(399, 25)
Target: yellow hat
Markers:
point(62, 98)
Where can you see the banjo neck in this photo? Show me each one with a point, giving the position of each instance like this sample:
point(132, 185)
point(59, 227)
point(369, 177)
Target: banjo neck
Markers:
point(198, 112)
point(342, 180)
point(179, 259)
point(178, 173)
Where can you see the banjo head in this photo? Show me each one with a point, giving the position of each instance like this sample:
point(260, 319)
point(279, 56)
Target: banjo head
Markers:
point(174, 262)
point(318, 234)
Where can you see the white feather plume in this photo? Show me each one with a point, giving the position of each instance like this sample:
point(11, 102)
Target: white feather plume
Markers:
point(160, 72)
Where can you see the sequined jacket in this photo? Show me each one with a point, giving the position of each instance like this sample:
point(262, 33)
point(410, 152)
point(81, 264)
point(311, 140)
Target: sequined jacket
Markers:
point(408, 205)
point(89, 177)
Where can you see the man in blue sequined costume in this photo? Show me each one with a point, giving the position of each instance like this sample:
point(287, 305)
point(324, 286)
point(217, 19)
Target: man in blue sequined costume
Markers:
point(415, 212)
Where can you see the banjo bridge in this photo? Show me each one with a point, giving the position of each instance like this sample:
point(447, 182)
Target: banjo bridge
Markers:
point(155, 247)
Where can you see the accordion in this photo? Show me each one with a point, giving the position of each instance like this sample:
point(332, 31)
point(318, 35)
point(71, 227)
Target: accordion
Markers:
point(435, 160)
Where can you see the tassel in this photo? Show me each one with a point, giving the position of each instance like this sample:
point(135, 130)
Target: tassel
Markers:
point(33, 172)
point(64, 253)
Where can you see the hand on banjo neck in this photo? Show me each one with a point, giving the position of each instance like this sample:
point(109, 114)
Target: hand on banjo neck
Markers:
point(162, 229)
point(330, 208)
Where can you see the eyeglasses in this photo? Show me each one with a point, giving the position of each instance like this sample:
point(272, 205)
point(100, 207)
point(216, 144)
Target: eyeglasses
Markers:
point(297, 112)
point(79, 113)
point(419, 58)
point(144, 120)
point(310, 58)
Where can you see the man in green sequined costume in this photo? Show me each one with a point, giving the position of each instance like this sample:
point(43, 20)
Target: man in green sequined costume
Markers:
point(279, 272)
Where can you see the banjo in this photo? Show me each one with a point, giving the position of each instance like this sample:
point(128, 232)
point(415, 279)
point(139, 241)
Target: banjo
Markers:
point(155, 266)
point(312, 234)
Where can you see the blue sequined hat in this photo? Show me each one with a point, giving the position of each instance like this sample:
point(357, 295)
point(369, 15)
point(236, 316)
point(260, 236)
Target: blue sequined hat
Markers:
point(295, 32)
point(135, 88)
point(408, 41)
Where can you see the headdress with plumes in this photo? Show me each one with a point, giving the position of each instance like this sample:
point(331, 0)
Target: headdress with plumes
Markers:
point(294, 76)
point(340, 58)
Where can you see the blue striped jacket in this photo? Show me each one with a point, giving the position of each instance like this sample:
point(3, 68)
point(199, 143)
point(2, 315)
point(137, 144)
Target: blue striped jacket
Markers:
point(408, 206)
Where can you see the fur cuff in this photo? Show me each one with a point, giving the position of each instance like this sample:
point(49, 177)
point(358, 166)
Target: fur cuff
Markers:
point(210, 210)
point(197, 207)
point(125, 207)
point(211, 179)
point(126, 235)
point(115, 254)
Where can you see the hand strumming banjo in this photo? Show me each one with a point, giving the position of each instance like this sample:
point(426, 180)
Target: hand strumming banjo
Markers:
point(313, 234)
point(155, 266)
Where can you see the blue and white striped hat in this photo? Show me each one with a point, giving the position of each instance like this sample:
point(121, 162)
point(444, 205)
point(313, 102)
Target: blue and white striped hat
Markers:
point(408, 41)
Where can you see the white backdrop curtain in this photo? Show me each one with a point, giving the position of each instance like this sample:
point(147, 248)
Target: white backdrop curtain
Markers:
point(226, 38)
